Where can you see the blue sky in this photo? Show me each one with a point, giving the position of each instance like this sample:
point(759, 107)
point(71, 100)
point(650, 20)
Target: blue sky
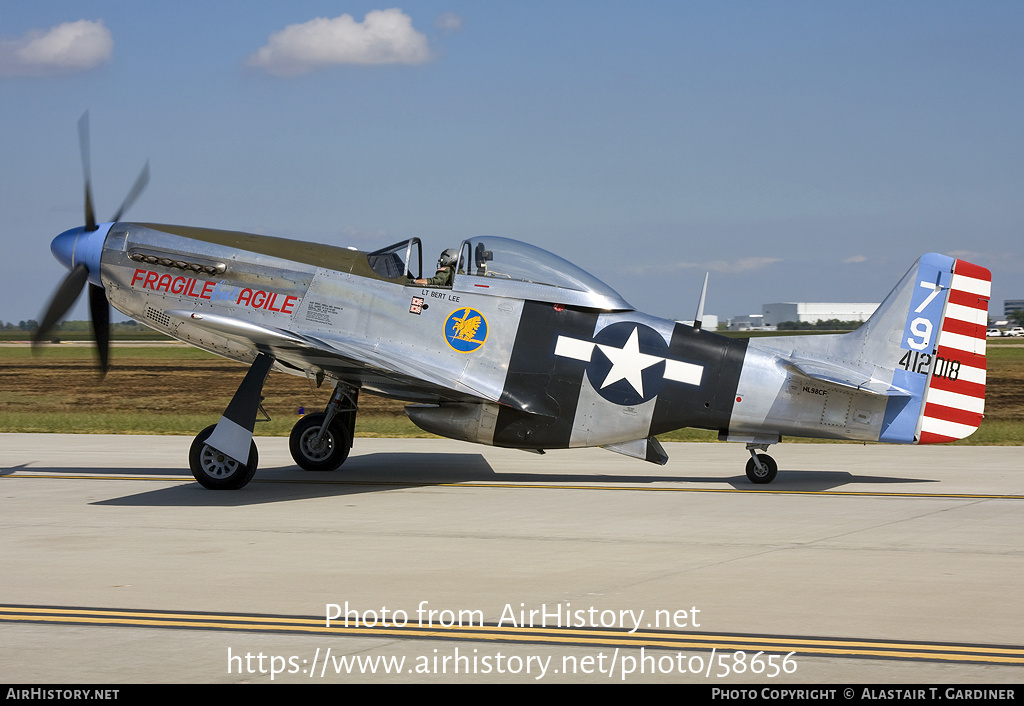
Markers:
point(800, 151)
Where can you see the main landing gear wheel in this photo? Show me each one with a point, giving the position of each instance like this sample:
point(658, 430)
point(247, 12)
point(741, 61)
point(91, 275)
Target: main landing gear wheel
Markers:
point(217, 471)
point(765, 474)
point(327, 454)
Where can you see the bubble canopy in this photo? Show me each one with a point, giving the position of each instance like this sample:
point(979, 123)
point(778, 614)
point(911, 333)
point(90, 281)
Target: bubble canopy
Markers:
point(506, 267)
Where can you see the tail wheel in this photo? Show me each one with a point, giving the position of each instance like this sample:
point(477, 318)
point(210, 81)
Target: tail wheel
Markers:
point(327, 454)
point(766, 474)
point(216, 470)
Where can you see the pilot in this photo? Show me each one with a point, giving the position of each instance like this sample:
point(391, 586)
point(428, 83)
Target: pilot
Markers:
point(445, 270)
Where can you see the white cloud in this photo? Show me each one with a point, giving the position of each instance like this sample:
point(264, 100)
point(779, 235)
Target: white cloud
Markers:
point(67, 48)
point(364, 237)
point(383, 37)
point(968, 255)
point(855, 259)
point(746, 264)
point(448, 22)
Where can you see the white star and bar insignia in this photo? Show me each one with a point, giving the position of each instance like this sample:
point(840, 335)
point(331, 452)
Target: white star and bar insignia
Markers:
point(628, 362)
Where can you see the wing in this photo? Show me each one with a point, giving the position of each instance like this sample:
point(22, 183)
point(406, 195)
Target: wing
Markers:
point(347, 359)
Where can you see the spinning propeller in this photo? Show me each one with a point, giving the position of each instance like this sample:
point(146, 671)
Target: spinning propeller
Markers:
point(79, 250)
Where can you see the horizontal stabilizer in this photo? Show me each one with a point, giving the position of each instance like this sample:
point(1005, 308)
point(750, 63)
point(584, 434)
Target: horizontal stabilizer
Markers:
point(836, 375)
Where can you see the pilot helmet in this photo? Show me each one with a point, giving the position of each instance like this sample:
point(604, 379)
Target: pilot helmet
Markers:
point(447, 258)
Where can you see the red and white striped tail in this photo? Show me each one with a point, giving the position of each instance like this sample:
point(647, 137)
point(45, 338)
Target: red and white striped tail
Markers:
point(954, 400)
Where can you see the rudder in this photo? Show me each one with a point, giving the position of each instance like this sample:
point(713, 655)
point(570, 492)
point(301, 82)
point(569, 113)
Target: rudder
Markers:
point(954, 398)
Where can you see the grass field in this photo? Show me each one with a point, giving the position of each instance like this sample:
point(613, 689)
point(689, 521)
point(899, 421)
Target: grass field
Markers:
point(176, 389)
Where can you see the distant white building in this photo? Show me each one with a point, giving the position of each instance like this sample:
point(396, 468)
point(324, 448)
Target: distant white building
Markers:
point(803, 312)
point(751, 322)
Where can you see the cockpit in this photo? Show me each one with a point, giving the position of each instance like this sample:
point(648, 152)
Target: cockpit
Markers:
point(504, 267)
point(403, 259)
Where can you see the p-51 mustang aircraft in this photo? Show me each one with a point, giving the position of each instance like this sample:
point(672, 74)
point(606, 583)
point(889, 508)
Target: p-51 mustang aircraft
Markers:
point(522, 350)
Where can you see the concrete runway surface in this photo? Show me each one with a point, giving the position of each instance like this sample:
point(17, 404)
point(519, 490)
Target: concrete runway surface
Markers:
point(859, 564)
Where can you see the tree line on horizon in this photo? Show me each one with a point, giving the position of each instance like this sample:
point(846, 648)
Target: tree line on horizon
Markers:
point(65, 326)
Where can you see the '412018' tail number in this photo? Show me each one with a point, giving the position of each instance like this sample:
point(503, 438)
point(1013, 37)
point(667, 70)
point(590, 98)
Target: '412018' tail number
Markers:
point(915, 362)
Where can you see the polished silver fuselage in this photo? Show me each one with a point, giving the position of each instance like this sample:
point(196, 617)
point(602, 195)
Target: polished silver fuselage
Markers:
point(512, 362)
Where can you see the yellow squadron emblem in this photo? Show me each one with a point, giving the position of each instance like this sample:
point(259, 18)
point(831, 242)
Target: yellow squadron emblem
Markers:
point(466, 330)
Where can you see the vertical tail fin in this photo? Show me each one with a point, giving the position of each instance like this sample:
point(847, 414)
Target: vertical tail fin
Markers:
point(939, 339)
point(914, 373)
point(954, 397)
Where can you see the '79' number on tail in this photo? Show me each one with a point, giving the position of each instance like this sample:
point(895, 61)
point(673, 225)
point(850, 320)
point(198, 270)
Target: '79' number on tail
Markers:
point(921, 328)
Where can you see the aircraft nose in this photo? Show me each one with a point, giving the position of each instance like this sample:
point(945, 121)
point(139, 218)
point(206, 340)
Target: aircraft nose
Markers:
point(63, 246)
point(81, 246)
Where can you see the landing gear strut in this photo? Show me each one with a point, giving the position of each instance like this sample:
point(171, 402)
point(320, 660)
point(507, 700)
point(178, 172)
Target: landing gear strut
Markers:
point(223, 456)
point(321, 441)
point(761, 468)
